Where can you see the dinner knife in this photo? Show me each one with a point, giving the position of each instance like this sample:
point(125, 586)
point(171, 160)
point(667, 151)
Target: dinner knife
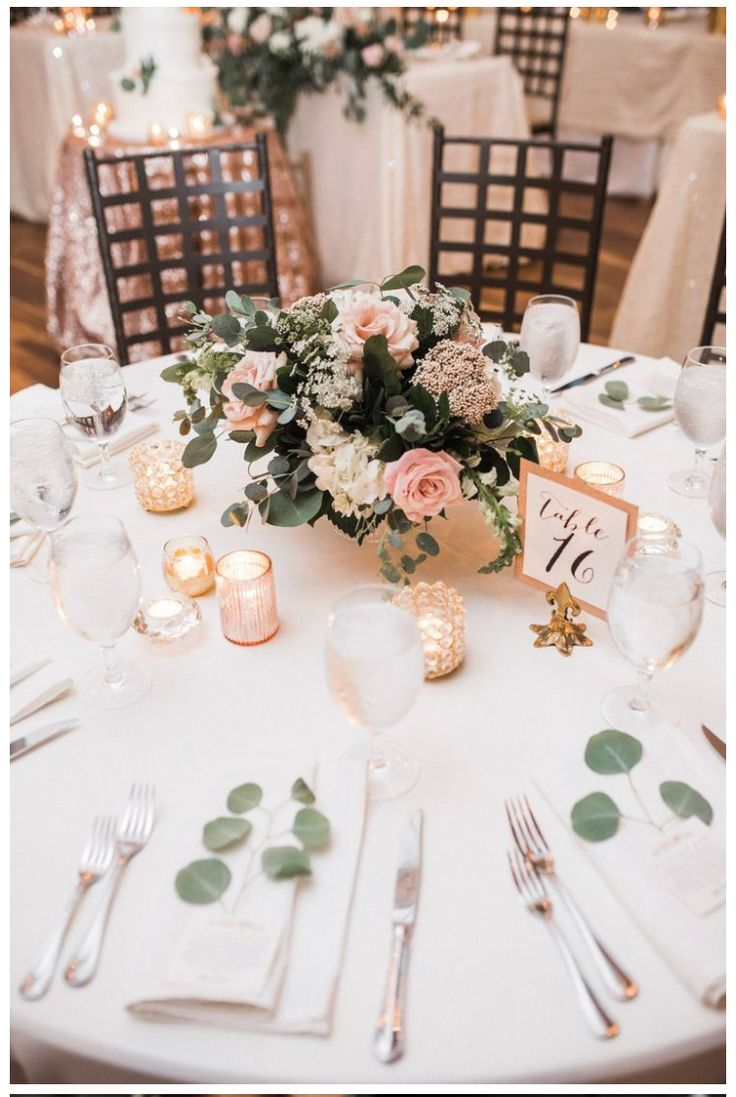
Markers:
point(714, 741)
point(388, 1041)
point(625, 361)
point(40, 736)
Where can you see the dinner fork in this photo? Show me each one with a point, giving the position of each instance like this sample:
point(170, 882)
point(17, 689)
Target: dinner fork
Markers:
point(96, 859)
point(133, 833)
point(533, 846)
point(533, 894)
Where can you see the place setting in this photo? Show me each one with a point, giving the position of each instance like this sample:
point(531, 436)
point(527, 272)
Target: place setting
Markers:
point(367, 599)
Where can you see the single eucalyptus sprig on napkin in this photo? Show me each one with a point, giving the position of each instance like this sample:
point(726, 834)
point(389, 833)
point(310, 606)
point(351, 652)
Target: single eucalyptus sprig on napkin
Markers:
point(597, 817)
point(617, 396)
point(205, 881)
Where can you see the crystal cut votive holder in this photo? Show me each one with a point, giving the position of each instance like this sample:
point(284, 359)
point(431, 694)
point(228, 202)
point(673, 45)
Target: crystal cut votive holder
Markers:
point(601, 475)
point(167, 617)
point(247, 597)
point(160, 480)
point(188, 565)
point(553, 454)
point(440, 614)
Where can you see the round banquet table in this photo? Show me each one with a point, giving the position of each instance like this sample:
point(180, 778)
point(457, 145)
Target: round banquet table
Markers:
point(484, 980)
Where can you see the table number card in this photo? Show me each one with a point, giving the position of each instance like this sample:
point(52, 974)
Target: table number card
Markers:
point(570, 534)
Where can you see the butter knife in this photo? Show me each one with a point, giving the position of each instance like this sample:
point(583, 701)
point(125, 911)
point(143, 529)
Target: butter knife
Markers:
point(625, 361)
point(388, 1041)
point(40, 736)
point(714, 741)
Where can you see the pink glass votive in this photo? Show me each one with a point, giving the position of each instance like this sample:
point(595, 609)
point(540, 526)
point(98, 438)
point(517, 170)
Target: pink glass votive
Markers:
point(247, 597)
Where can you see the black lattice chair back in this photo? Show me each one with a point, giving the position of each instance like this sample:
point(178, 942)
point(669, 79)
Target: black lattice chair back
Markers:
point(536, 40)
point(714, 325)
point(508, 223)
point(180, 225)
point(443, 24)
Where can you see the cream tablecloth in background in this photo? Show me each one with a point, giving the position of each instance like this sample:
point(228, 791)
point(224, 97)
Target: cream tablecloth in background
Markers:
point(52, 77)
point(484, 977)
point(370, 182)
point(663, 304)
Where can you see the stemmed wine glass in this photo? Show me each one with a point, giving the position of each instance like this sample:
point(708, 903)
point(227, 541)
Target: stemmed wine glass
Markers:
point(715, 583)
point(43, 480)
point(375, 667)
point(550, 335)
point(654, 612)
point(94, 396)
point(700, 413)
point(97, 587)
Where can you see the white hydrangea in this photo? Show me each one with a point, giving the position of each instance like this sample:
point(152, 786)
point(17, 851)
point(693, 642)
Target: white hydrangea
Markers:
point(317, 35)
point(345, 465)
point(280, 43)
point(237, 20)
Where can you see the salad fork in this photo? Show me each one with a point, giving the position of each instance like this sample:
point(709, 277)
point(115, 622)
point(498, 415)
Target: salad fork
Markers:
point(133, 833)
point(533, 894)
point(95, 861)
point(532, 845)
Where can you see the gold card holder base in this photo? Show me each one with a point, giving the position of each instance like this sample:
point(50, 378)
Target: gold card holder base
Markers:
point(561, 631)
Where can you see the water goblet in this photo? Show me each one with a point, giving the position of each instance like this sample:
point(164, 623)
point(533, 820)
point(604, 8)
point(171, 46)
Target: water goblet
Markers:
point(550, 335)
point(375, 667)
point(715, 583)
point(95, 399)
point(700, 413)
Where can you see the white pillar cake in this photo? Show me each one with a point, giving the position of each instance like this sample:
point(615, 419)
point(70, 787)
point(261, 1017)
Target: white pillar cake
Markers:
point(165, 77)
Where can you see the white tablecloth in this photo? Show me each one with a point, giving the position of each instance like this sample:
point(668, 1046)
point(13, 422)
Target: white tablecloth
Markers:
point(52, 77)
point(663, 304)
point(370, 182)
point(483, 975)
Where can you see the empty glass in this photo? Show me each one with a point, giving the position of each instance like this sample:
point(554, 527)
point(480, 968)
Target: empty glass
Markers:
point(43, 480)
point(94, 397)
point(700, 412)
point(550, 335)
point(375, 668)
point(715, 583)
point(97, 587)
point(654, 613)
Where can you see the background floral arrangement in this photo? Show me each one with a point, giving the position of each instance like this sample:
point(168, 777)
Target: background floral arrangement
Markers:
point(266, 57)
point(372, 406)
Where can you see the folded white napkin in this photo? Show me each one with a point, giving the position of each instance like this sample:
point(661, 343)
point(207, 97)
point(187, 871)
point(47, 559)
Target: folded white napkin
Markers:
point(44, 401)
point(645, 377)
point(25, 541)
point(36, 689)
point(666, 880)
point(273, 962)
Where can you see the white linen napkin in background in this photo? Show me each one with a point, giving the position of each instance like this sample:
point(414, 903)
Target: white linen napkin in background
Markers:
point(276, 969)
point(36, 690)
point(40, 400)
point(25, 541)
point(691, 943)
point(645, 377)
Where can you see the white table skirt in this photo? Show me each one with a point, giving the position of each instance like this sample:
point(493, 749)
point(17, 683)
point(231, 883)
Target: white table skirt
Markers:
point(662, 307)
point(483, 975)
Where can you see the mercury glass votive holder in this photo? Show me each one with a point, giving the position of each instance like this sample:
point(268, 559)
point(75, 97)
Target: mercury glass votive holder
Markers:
point(553, 454)
point(167, 618)
point(440, 614)
point(160, 480)
point(188, 565)
point(601, 475)
point(247, 597)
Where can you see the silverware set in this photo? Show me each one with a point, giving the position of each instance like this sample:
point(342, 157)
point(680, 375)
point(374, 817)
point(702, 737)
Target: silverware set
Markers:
point(532, 868)
point(110, 847)
point(139, 401)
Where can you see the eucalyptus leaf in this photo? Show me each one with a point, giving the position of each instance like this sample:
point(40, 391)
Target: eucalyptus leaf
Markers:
point(312, 828)
point(409, 276)
point(301, 792)
point(617, 390)
point(244, 797)
point(427, 543)
point(203, 881)
point(612, 752)
point(199, 450)
point(285, 862)
point(686, 801)
point(654, 403)
point(235, 515)
point(285, 511)
point(224, 831)
point(611, 403)
point(595, 817)
point(226, 327)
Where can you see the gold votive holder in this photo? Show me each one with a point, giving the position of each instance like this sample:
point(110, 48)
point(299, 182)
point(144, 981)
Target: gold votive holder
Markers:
point(160, 480)
point(601, 475)
point(167, 618)
point(188, 565)
point(440, 614)
point(553, 454)
point(199, 125)
point(247, 597)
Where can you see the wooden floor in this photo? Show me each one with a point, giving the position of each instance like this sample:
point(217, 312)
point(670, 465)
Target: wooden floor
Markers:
point(33, 357)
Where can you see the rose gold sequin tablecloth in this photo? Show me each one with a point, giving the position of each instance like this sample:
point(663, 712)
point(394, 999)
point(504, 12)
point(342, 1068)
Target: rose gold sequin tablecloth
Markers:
point(78, 309)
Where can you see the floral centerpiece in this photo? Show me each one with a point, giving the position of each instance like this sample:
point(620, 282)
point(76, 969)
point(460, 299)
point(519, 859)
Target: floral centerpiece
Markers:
point(373, 407)
point(266, 57)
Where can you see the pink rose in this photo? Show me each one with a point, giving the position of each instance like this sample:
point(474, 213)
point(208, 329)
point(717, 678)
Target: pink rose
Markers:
point(423, 483)
point(372, 55)
point(256, 368)
point(363, 315)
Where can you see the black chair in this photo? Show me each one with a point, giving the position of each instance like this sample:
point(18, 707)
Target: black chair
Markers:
point(536, 40)
point(715, 314)
point(424, 23)
point(179, 225)
point(549, 248)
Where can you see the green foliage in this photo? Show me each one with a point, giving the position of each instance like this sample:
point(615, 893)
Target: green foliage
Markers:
point(301, 792)
point(244, 797)
point(203, 881)
point(684, 801)
point(285, 862)
point(225, 831)
point(595, 817)
point(312, 828)
point(613, 752)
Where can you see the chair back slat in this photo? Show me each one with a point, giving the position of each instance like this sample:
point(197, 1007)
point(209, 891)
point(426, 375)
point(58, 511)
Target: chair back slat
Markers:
point(536, 41)
point(715, 313)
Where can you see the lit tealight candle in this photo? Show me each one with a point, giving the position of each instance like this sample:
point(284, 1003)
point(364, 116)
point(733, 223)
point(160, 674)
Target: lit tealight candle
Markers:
point(440, 614)
point(553, 454)
point(157, 134)
point(168, 618)
point(601, 475)
point(247, 597)
point(102, 113)
point(657, 530)
point(160, 479)
point(188, 565)
point(173, 135)
point(199, 125)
